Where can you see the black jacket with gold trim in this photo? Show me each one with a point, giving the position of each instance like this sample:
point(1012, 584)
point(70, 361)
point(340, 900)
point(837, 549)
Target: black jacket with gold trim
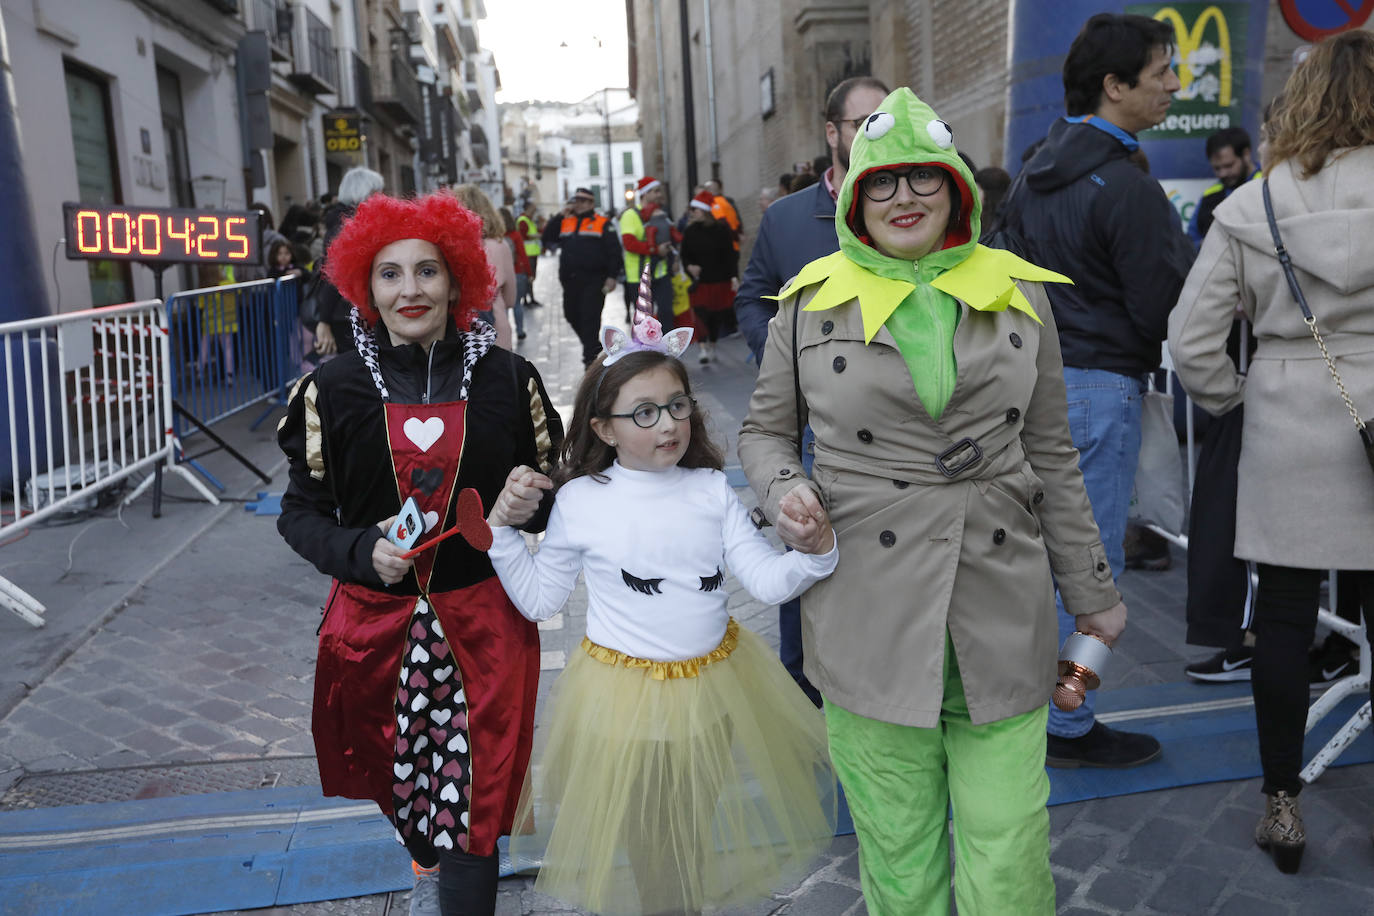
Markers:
point(342, 481)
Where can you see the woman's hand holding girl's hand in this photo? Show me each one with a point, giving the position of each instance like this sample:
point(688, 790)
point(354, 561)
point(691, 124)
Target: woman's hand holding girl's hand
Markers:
point(1107, 624)
point(520, 498)
point(386, 557)
point(803, 524)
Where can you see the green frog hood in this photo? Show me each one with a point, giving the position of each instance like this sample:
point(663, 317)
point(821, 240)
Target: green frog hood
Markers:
point(903, 132)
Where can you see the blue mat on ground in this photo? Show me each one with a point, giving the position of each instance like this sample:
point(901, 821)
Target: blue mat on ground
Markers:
point(266, 847)
point(266, 504)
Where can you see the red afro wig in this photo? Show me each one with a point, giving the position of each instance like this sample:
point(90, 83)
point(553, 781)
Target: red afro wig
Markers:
point(437, 218)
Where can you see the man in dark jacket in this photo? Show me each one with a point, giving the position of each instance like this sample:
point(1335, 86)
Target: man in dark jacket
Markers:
point(1228, 153)
point(1086, 211)
point(588, 264)
point(794, 232)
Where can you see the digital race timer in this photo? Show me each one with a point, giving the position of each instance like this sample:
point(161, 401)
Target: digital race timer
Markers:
point(162, 235)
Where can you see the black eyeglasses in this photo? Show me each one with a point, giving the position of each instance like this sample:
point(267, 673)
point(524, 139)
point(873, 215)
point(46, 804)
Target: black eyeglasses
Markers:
point(923, 180)
point(855, 123)
point(646, 416)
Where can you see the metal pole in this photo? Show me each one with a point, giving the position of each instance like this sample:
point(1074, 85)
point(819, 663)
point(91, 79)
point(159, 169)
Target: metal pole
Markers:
point(711, 93)
point(21, 263)
point(606, 127)
point(688, 108)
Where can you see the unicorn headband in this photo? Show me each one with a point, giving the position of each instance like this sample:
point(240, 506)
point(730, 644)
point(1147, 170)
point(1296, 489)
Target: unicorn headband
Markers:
point(646, 332)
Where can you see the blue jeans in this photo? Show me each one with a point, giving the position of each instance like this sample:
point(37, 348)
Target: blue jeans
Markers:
point(1104, 420)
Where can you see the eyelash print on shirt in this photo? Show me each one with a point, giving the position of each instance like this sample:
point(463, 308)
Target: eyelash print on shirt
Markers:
point(711, 583)
point(643, 586)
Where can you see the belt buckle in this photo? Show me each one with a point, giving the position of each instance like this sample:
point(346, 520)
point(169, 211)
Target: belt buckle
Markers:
point(966, 452)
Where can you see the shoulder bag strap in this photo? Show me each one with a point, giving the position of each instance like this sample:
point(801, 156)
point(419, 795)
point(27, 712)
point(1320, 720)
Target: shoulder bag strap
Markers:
point(1286, 263)
point(796, 378)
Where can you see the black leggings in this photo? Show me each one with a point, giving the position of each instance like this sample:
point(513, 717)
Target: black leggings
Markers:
point(1285, 622)
point(467, 884)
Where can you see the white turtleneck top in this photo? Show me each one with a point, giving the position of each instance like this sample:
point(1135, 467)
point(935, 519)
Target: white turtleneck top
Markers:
point(654, 546)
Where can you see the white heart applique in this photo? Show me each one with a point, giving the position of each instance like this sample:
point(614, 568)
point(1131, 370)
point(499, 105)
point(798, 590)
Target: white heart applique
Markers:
point(421, 781)
point(449, 793)
point(418, 654)
point(419, 703)
point(441, 716)
point(423, 433)
point(443, 840)
point(441, 674)
point(402, 770)
point(420, 744)
point(431, 520)
point(458, 743)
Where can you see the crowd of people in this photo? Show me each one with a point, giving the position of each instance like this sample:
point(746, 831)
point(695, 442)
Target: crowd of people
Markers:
point(951, 515)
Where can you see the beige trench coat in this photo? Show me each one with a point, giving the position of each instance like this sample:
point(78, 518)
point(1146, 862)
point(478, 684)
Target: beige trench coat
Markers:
point(1306, 493)
point(924, 553)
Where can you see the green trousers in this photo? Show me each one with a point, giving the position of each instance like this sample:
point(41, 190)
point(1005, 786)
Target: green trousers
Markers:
point(902, 782)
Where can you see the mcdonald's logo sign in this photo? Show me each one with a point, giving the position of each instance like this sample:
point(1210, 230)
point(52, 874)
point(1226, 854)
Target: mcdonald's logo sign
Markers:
point(1210, 41)
point(1193, 55)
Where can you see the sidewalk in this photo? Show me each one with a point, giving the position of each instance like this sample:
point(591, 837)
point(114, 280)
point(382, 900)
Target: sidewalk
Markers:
point(178, 659)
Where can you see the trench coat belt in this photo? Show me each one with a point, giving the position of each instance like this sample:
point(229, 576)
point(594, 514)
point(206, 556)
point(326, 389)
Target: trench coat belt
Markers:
point(1306, 348)
point(925, 471)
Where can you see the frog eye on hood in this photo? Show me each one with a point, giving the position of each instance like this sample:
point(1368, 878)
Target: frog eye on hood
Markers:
point(941, 133)
point(878, 124)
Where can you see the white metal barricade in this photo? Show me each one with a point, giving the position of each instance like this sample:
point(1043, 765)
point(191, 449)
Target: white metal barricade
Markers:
point(89, 404)
point(1357, 683)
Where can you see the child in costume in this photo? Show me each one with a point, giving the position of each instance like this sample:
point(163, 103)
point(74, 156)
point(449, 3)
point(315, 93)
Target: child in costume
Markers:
point(679, 766)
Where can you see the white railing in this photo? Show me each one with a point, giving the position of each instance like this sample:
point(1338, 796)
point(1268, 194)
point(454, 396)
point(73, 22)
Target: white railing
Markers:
point(89, 404)
point(1357, 683)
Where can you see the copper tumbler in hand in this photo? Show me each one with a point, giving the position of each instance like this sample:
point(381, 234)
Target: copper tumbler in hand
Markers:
point(1082, 660)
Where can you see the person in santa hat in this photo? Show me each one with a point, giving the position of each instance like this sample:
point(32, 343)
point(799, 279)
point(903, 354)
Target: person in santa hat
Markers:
point(647, 237)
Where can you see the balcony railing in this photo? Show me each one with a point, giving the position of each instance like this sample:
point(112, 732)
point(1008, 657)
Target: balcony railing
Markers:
point(399, 95)
point(314, 66)
point(272, 17)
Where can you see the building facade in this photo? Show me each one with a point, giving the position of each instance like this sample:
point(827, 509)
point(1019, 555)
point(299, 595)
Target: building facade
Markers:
point(736, 91)
point(223, 103)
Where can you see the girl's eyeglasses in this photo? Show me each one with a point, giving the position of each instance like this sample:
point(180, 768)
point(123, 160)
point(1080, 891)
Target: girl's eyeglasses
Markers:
point(923, 180)
point(646, 416)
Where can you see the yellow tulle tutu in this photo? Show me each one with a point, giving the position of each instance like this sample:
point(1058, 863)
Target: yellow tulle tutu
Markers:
point(670, 787)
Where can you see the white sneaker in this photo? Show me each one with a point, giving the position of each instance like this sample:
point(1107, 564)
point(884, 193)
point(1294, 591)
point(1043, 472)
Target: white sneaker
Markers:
point(424, 897)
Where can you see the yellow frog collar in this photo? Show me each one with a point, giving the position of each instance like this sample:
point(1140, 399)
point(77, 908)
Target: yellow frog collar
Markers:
point(985, 280)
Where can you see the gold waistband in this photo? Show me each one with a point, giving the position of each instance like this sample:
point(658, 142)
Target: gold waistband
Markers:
point(662, 671)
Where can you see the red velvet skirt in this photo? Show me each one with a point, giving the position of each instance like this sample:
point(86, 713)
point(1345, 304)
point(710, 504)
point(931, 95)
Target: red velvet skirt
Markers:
point(713, 296)
point(496, 655)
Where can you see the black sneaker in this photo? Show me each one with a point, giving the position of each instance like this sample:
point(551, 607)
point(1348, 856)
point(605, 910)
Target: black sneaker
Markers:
point(1330, 663)
point(1101, 747)
point(1227, 665)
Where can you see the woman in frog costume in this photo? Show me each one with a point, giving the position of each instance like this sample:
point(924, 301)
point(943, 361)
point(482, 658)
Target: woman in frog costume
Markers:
point(928, 368)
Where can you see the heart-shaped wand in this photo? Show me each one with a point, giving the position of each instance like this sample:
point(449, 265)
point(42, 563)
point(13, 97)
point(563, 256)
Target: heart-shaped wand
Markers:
point(470, 521)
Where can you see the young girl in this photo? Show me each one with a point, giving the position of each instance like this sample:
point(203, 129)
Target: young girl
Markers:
point(679, 766)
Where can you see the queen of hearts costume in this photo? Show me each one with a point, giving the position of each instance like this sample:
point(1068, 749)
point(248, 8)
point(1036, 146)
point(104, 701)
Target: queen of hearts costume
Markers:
point(424, 691)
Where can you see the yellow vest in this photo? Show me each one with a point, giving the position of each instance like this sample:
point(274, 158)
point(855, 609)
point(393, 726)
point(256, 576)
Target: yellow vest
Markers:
point(631, 223)
point(527, 227)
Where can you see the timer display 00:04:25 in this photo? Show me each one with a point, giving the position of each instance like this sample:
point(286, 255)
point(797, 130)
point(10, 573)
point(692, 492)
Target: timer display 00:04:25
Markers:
point(154, 235)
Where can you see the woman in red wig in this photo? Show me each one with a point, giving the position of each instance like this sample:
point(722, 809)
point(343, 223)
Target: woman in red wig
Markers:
point(426, 676)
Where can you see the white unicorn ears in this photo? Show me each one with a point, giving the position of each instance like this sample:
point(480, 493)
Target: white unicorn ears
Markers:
point(647, 336)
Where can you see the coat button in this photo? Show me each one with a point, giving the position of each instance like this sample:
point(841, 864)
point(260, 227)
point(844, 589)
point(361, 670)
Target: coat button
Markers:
point(865, 436)
point(784, 472)
point(887, 539)
point(999, 536)
point(901, 484)
point(839, 364)
point(1039, 497)
point(1101, 567)
point(827, 327)
point(1013, 414)
point(1016, 340)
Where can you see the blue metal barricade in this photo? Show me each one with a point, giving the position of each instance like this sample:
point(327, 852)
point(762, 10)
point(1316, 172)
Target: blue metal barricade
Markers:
point(233, 347)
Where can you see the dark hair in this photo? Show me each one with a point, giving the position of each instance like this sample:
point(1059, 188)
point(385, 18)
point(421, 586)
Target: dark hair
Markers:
point(968, 161)
point(994, 181)
point(272, 251)
point(266, 218)
point(803, 180)
point(834, 102)
point(1233, 137)
point(585, 455)
point(785, 182)
point(1112, 45)
point(820, 164)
